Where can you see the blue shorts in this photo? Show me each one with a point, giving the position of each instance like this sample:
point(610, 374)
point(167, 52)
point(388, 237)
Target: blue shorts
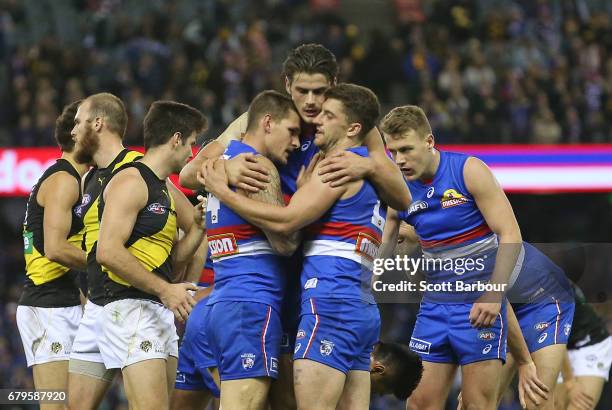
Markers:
point(195, 356)
point(443, 334)
point(338, 333)
point(290, 316)
point(545, 324)
point(244, 338)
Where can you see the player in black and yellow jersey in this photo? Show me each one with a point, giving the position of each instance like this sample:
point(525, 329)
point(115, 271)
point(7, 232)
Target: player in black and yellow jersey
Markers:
point(50, 308)
point(99, 127)
point(138, 249)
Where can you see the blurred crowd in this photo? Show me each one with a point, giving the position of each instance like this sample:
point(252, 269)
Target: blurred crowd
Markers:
point(514, 71)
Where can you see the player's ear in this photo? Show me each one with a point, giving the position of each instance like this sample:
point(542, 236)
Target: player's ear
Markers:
point(176, 139)
point(430, 141)
point(354, 129)
point(377, 368)
point(287, 85)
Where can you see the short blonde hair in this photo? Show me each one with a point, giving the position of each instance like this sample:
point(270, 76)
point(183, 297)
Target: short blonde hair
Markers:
point(404, 119)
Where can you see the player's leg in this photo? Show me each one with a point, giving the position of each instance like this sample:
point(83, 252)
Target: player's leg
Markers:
point(592, 386)
point(51, 376)
point(190, 399)
point(548, 362)
point(141, 379)
point(317, 386)
point(282, 394)
point(245, 394)
point(171, 366)
point(356, 393)
point(435, 385)
point(88, 379)
point(506, 376)
point(480, 384)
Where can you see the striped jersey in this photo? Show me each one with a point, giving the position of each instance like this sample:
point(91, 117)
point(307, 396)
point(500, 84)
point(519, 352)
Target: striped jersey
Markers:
point(339, 249)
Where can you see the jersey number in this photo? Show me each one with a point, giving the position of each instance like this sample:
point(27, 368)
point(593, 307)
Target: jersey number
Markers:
point(213, 205)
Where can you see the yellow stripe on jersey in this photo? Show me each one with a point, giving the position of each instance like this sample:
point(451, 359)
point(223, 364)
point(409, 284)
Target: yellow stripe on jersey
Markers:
point(40, 269)
point(154, 250)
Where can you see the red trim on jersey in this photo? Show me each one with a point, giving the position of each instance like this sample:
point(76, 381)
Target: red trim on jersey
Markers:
point(241, 232)
point(314, 330)
point(481, 230)
point(263, 340)
point(207, 276)
point(344, 230)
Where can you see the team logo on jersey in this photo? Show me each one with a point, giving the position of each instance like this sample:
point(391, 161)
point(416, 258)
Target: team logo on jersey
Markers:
point(222, 245)
point(452, 198)
point(420, 346)
point(248, 360)
point(326, 347)
point(157, 208)
point(487, 349)
point(301, 334)
point(28, 242)
point(542, 337)
point(430, 192)
point(367, 246)
point(56, 347)
point(146, 345)
point(79, 209)
point(417, 206)
point(541, 326)
point(486, 335)
point(567, 328)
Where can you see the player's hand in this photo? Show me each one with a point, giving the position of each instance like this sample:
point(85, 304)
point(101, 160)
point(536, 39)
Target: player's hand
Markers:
point(529, 385)
point(245, 172)
point(199, 212)
point(577, 396)
point(344, 167)
point(175, 296)
point(306, 172)
point(215, 176)
point(485, 310)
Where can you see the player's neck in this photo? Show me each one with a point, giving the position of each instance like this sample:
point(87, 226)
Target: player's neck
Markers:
point(431, 170)
point(108, 150)
point(340, 145)
point(80, 168)
point(157, 159)
point(256, 141)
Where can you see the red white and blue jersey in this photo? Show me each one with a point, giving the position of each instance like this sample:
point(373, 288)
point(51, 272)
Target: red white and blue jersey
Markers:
point(340, 248)
point(443, 212)
point(290, 171)
point(246, 267)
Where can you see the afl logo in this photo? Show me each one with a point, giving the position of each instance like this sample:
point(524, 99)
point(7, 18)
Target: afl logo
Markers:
point(417, 206)
point(157, 208)
point(430, 192)
point(486, 335)
point(541, 326)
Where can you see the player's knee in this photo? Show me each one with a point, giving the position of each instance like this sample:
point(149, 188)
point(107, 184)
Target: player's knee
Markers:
point(480, 400)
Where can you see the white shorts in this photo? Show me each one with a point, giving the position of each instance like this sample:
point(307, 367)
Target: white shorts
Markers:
point(85, 346)
point(593, 360)
point(134, 330)
point(47, 334)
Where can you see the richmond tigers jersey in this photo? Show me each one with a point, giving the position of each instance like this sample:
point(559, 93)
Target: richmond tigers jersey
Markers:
point(151, 240)
point(48, 284)
point(88, 211)
point(339, 249)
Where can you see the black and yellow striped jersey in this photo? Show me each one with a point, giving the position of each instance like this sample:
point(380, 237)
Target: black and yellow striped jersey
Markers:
point(49, 284)
point(151, 240)
point(88, 210)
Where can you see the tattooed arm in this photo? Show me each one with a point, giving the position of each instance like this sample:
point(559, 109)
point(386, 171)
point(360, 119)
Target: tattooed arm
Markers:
point(285, 245)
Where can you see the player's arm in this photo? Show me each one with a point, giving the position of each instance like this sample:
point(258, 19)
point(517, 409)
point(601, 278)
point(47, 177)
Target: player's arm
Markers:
point(194, 269)
point(576, 395)
point(307, 205)
point(529, 385)
point(282, 244)
point(390, 234)
point(497, 212)
point(244, 171)
point(378, 168)
point(124, 197)
point(57, 195)
point(190, 220)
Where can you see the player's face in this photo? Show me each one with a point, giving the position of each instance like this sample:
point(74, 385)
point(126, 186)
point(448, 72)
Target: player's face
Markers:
point(284, 138)
point(306, 91)
point(411, 152)
point(184, 151)
point(84, 136)
point(332, 125)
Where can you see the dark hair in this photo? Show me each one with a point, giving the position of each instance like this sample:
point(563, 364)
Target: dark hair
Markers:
point(168, 117)
point(360, 104)
point(311, 59)
point(405, 368)
point(269, 102)
point(111, 108)
point(64, 125)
